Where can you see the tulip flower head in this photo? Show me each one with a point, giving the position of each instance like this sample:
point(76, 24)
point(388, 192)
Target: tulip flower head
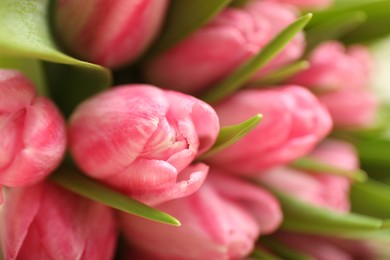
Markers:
point(32, 131)
point(141, 140)
point(215, 50)
point(294, 122)
point(341, 76)
point(45, 221)
point(112, 33)
point(314, 188)
point(218, 222)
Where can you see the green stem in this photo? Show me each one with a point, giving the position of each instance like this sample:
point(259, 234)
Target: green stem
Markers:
point(319, 167)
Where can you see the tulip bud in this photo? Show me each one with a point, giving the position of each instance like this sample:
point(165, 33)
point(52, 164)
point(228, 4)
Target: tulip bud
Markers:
point(32, 131)
point(325, 248)
point(221, 46)
point(45, 221)
point(341, 77)
point(308, 4)
point(140, 140)
point(108, 32)
point(218, 222)
point(294, 122)
point(314, 187)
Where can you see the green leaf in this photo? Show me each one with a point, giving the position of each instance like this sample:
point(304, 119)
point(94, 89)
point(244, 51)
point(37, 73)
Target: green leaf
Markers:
point(228, 135)
point(259, 254)
point(303, 217)
point(183, 18)
point(280, 75)
point(334, 28)
point(319, 167)
point(371, 198)
point(74, 181)
point(239, 3)
point(377, 12)
point(33, 69)
point(282, 250)
point(240, 76)
point(25, 33)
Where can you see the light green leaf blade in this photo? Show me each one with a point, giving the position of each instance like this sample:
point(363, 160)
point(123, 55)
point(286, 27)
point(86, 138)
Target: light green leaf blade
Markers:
point(240, 76)
point(303, 217)
point(377, 12)
point(334, 28)
point(319, 167)
point(74, 181)
point(32, 68)
point(228, 135)
point(183, 18)
point(25, 33)
point(371, 198)
point(280, 75)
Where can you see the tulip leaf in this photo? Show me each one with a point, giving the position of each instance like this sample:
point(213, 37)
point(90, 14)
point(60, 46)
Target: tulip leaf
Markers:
point(319, 167)
point(76, 182)
point(228, 135)
point(371, 198)
point(32, 68)
point(282, 250)
point(377, 13)
point(259, 254)
point(334, 28)
point(280, 75)
point(25, 33)
point(303, 217)
point(239, 3)
point(184, 17)
point(247, 70)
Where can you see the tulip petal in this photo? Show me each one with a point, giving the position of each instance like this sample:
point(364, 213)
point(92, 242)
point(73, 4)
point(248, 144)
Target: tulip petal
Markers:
point(25, 204)
point(43, 145)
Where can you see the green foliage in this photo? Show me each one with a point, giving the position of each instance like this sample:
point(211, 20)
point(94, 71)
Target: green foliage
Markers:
point(25, 33)
point(230, 134)
point(74, 181)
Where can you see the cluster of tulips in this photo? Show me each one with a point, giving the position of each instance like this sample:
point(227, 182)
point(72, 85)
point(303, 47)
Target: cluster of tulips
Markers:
point(155, 137)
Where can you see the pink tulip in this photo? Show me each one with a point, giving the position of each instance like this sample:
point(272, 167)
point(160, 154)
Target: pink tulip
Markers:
point(341, 77)
point(319, 189)
point(32, 131)
point(351, 108)
point(325, 248)
point(108, 32)
point(214, 51)
point(140, 140)
point(294, 122)
point(220, 221)
point(47, 222)
point(334, 67)
point(308, 4)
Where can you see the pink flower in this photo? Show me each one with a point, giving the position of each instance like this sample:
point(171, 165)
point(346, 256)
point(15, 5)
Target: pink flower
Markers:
point(319, 189)
point(341, 77)
point(220, 221)
point(215, 50)
point(294, 122)
point(47, 222)
point(140, 140)
point(325, 248)
point(308, 4)
point(32, 131)
point(108, 32)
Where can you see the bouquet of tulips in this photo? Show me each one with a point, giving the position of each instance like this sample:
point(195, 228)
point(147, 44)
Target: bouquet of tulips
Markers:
point(194, 129)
